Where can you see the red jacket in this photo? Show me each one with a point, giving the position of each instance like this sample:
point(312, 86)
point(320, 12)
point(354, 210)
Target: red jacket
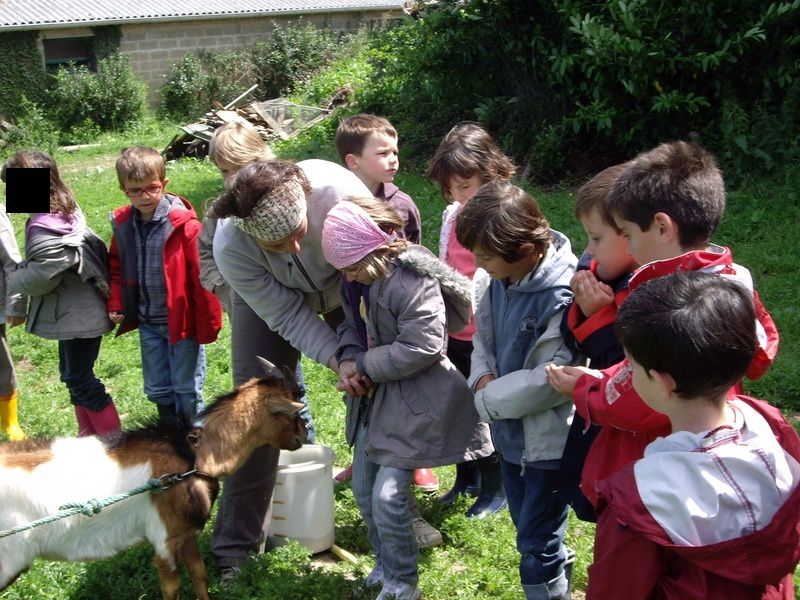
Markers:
point(192, 311)
point(629, 425)
point(636, 559)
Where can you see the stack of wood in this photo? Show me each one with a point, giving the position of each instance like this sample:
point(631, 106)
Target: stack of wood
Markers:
point(276, 119)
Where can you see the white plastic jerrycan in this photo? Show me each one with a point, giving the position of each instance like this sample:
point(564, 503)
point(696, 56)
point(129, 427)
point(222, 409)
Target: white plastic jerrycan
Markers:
point(302, 503)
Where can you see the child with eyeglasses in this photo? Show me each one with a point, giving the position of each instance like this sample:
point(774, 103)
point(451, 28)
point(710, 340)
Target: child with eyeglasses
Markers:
point(155, 241)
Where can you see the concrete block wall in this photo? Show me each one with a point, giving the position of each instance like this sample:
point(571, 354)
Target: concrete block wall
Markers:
point(154, 47)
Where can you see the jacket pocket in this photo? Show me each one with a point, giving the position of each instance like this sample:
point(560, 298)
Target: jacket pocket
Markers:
point(413, 396)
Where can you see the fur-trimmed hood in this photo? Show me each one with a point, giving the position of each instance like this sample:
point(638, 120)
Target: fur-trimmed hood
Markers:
point(456, 289)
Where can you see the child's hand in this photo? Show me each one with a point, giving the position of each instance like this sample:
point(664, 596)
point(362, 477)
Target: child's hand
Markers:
point(14, 321)
point(483, 382)
point(347, 368)
point(116, 317)
point(563, 378)
point(357, 385)
point(590, 294)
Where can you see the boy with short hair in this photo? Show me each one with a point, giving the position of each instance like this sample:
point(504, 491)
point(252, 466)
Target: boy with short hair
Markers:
point(155, 283)
point(367, 145)
point(518, 316)
point(600, 286)
point(711, 511)
point(668, 203)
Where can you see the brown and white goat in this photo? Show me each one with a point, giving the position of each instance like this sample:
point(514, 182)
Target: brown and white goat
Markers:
point(38, 476)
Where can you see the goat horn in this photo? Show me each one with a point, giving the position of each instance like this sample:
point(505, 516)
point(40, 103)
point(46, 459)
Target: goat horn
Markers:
point(269, 368)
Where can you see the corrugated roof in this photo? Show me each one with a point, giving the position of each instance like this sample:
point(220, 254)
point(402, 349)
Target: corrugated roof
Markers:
point(47, 14)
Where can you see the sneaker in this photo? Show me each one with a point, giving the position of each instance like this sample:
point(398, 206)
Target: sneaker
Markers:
point(344, 475)
point(425, 480)
point(375, 578)
point(396, 590)
point(427, 535)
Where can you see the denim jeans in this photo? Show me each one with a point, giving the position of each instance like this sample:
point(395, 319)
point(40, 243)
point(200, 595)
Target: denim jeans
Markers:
point(169, 370)
point(381, 493)
point(76, 365)
point(540, 518)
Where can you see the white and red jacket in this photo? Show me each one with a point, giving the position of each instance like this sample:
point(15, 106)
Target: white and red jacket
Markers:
point(712, 516)
point(629, 425)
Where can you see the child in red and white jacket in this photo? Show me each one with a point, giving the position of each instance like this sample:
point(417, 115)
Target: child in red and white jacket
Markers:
point(711, 511)
point(668, 203)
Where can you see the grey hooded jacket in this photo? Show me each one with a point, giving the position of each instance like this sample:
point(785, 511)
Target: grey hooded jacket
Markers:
point(421, 412)
point(65, 277)
point(525, 394)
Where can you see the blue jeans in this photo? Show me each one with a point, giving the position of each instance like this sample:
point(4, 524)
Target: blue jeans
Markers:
point(76, 365)
point(540, 518)
point(170, 371)
point(381, 493)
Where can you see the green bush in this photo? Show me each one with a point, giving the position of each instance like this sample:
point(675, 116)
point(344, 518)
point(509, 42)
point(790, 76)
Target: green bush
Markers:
point(574, 85)
point(351, 69)
point(291, 55)
point(110, 100)
point(33, 130)
point(200, 78)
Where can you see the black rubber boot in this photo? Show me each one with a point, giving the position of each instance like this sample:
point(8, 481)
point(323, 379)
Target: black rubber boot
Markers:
point(168, 415)
point(492, 497)
point(468, 482)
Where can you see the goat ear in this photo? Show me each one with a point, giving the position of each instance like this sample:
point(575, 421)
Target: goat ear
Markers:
point(286, 408)
point(269, 368)
point(194, 435)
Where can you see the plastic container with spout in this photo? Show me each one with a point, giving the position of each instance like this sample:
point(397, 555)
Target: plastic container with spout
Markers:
point(302, 502)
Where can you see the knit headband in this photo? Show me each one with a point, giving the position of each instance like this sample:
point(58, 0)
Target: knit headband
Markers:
point(349, 234)
point(278, 214)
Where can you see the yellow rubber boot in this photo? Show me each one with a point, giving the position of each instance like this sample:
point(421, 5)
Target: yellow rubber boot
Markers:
point(8, 417)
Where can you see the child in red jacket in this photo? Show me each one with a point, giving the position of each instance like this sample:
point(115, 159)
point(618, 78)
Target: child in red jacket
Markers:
point(155, 284)
point(668, 203)
point(711, 511)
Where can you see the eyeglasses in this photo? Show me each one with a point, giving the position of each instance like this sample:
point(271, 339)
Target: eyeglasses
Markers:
point(150, 190)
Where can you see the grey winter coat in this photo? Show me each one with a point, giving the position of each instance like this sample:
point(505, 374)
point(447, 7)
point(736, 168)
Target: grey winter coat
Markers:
point(421, 412)
point(64, 276)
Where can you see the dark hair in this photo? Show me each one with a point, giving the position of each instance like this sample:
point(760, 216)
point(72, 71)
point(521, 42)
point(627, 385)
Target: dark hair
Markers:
point(593, 195)
point(352, 133)
point(61, 198)
point(254, 181)
point(680, 179)
point(468, 150)
point(500, 218)
point(698, 327)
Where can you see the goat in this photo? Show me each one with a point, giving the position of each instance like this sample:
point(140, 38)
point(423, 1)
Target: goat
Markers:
point(38, 476)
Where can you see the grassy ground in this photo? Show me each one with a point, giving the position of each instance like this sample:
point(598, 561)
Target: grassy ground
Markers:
point(478, 559)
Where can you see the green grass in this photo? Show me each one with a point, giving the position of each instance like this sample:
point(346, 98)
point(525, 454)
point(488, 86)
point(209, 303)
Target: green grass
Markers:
point(478, 559)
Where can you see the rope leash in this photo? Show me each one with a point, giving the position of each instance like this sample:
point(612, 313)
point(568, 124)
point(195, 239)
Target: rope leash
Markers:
point(92, 507)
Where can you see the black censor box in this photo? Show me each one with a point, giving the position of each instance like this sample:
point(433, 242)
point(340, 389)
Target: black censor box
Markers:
point(27, 190)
